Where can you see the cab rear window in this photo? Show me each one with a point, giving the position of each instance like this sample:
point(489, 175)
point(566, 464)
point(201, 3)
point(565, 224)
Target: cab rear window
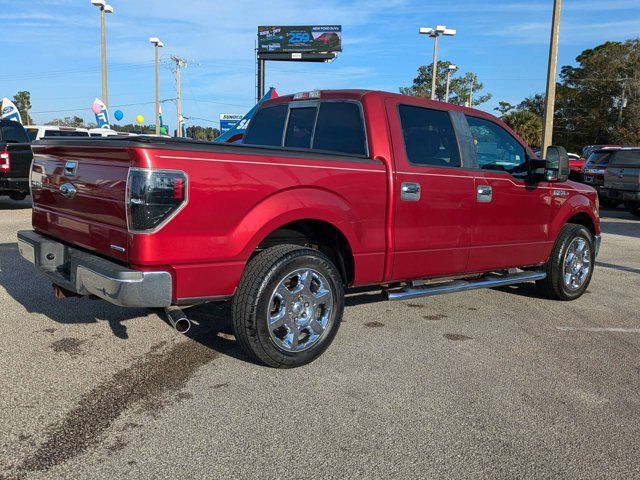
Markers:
point(626, 158)
point(330, 126)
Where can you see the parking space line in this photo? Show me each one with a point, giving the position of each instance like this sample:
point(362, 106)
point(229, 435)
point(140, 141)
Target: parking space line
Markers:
point(599, 329)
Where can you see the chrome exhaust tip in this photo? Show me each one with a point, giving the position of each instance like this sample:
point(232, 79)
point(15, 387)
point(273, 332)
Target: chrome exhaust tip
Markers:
point(178, 319)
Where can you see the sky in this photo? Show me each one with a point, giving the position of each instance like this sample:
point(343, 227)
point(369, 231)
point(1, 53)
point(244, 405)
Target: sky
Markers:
point(52, 49)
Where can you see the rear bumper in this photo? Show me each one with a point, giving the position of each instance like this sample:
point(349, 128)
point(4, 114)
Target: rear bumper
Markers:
point(620, 195)
point(87, 274)
point(15, 184)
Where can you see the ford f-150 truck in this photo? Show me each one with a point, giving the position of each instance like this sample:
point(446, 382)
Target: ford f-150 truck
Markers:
point(15, 160)
point(330, 190)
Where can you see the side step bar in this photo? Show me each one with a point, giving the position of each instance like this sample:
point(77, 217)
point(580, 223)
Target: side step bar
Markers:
point(486, 281)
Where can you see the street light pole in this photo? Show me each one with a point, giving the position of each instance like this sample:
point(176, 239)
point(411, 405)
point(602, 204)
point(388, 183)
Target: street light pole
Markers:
point(104, 9)
point(156, 45)
point(452, 68)
point(550, 98)
point(435, 34)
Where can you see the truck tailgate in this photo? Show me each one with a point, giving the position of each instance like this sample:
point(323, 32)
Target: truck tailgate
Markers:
point(625, 178)
point(20, 154)
point(79, 196)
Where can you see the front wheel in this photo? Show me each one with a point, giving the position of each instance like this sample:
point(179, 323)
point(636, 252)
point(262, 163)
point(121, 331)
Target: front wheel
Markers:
point(288, 306)
point(570, 266)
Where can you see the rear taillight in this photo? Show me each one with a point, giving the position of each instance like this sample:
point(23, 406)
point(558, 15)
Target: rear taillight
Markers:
point(5, 161)
point(153, 197)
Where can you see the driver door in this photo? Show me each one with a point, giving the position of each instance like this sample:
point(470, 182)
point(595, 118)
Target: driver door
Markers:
point(511, 225)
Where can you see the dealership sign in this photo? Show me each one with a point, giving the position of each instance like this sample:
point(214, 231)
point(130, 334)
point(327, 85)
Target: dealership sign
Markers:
point(318, 38)
point(228, 121)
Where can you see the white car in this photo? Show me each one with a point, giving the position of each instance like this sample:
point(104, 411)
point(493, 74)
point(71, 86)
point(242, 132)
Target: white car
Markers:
point(38, 132)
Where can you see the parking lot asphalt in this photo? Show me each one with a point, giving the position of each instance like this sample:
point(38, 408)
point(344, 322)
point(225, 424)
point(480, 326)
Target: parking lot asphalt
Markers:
point(487, 384)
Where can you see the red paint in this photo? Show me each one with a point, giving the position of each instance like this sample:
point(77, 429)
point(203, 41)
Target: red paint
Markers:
point(235, 199)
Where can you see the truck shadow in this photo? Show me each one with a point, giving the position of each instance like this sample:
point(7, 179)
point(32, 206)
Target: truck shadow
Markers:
point(7, 204)
point(31, 290)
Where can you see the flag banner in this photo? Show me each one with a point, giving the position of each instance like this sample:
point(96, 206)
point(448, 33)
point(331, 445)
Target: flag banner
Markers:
point(236, 133)
point(101, 112)
point(9, 111)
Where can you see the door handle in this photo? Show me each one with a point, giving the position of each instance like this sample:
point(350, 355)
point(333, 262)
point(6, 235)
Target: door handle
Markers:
point(410, 192)
point(484, 194)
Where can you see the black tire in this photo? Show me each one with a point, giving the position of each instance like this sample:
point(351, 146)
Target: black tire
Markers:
point(609, 202)
point(252, 304)
point(633, 208)
point(17, 196)
point(554, 286)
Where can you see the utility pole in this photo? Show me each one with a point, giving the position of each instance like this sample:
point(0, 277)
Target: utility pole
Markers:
point(180, 63)
point(104, 9)
point(550, 99)
point(450, 70)
point(155, 41)
point(473, 84)
point(435, 34)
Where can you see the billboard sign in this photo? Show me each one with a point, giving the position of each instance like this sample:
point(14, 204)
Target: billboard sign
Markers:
point(228, 121)
point(301, 39)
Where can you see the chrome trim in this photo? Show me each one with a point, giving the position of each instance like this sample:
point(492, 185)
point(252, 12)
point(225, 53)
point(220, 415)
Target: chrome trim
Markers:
point(68, 190)
point(117, 248)
point(410, 192)
point(463, 285)
point(87, 274)
point(70, 167)
point(484, 194)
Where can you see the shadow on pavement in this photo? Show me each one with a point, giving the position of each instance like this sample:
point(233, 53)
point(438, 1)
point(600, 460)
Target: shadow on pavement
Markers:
point(27, 287)
point(622, 268)
point(7, 204)
point(619, 222)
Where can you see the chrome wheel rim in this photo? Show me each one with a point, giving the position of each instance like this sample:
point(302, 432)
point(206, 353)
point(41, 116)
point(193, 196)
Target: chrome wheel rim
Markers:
point(300, 310)
point(577, 263)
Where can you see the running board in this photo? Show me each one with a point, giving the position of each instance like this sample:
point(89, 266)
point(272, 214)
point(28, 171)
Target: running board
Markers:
point(487, 281)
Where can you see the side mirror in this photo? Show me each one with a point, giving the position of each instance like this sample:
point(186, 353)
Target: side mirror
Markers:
point(556, 164)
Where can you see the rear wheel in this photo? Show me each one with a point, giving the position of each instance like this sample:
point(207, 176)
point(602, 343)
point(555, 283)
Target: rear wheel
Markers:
point(633, 208)
point(288, 306)
point(570, 266)
point(17, 196)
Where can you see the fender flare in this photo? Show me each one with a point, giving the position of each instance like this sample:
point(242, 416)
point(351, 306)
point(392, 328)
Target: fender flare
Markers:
point(573, 206)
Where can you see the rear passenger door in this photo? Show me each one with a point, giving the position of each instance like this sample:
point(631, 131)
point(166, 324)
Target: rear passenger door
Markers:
point(434, 194)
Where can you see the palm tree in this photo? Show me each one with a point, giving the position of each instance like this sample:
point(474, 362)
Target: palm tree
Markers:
point(526, 124)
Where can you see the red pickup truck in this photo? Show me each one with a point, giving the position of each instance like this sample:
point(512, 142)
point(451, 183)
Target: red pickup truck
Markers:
point(330, 190)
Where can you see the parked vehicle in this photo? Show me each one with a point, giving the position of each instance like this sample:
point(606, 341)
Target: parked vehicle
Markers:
point(593, 173)
point(622, 179)
point(331, 190)
point(576, 164)
point(38, 132)
point(15, 160)
point(107, 132)
point(589, 149)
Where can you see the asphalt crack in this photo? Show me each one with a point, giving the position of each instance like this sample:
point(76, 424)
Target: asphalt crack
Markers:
point(143, 383)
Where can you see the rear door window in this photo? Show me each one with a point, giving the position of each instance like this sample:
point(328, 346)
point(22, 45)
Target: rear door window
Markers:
point(429, 138)
point(267, 126)
point(340, 128)
point(300, 127)
point(13, 132)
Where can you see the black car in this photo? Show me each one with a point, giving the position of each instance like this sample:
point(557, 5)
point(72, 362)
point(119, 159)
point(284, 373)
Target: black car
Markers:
point(15, 160)
point(622, 179)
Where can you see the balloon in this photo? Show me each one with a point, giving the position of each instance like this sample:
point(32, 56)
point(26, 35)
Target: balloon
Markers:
point(96, 108)
point(163, 130)
point(118, 115)
point(140, 119)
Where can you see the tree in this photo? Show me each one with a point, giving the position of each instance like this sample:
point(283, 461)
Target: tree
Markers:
point(74, 121)
point(460, 87)
point(526, 124)
point(202, 133)
point(22, 101)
